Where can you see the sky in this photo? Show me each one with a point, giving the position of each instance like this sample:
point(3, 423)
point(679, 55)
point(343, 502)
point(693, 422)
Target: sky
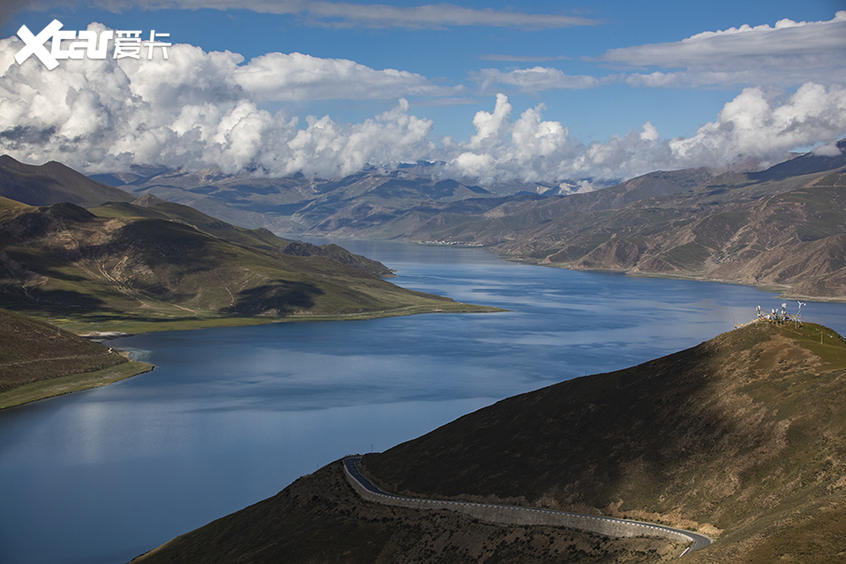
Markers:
point(496, 91)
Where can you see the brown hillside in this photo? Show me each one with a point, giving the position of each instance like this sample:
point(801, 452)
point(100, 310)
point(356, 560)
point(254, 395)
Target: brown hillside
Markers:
point(319, 518)
point(32, 350)
point(744, 434)
point(742, 437)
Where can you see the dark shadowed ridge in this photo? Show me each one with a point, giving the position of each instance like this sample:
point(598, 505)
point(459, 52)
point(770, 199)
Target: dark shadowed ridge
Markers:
point(51, 183)
point(741, 437)
point(804, 164)
point(742, 434)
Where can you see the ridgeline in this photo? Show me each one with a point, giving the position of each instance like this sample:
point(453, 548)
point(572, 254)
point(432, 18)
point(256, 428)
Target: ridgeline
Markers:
point(145, 264)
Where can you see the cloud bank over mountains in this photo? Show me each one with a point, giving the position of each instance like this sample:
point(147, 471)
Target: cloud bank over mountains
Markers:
point(199, 109)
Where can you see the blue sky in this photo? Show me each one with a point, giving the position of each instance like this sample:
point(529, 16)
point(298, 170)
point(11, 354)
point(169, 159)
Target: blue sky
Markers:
point(463, 60)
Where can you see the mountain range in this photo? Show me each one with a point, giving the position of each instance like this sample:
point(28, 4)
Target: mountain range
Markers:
point(783, 228)
point(142, 263)
point(296, 204)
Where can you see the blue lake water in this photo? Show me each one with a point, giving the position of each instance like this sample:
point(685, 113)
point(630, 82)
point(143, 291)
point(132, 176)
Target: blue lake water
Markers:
point(231, 416)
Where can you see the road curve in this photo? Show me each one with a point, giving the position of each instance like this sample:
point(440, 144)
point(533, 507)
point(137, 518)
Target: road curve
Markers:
point(517, 515)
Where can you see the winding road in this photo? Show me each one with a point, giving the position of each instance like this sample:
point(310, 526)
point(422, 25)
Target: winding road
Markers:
point(517, 515)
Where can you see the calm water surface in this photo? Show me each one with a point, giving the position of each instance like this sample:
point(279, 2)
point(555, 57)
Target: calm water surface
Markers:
point(231, 416)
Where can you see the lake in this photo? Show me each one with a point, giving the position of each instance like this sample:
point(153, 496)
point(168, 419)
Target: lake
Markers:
point(231, 416)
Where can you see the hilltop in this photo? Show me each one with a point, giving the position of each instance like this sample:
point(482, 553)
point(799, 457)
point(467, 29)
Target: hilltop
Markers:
point(39, 360)
point(741, 437)
point(53, 182)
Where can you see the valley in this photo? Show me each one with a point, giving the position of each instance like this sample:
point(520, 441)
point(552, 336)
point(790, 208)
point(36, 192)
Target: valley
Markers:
point(781, 228)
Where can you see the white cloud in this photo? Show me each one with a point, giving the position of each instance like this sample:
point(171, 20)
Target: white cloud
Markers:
point(488, 124)
point(649, 133)
point(533, 138)
point(827, 150)
point(755, 128)
point(534, 79)
point(295, 76)
point(329, 149)
point(787, 53)
point(201, 109)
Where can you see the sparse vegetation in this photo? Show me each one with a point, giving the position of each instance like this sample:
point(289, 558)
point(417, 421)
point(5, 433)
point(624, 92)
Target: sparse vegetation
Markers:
point(742, 437)
point(38, 360)
point(319, 518)
point(131, 267)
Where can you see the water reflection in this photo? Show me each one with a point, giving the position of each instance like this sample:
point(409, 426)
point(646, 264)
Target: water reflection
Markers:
point(231, 416)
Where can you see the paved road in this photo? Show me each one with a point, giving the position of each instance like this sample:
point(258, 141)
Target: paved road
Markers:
point(522, 515)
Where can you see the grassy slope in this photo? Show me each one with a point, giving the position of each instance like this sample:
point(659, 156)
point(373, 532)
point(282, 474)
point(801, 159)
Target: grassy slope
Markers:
point(319, 518)
point(61, 385)
point(38, 360)
point(164, 266)
point(744, 434)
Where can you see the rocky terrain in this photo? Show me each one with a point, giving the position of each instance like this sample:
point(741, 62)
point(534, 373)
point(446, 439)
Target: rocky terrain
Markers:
point(783, 228)
point(296, 204)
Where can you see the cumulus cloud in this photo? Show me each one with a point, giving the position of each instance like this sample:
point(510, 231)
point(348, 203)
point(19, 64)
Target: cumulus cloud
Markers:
point(649, 133)
point(534, 79)
point(756, 128)
point(202, 108)
point(199, 109)
point(786, 53)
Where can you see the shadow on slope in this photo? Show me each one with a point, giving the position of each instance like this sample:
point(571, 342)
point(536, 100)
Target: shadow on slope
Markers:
point(732, 432)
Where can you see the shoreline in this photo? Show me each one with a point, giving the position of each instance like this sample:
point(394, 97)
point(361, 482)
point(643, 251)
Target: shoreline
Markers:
point(782, 291)
point(54, 387)
point(116, 329)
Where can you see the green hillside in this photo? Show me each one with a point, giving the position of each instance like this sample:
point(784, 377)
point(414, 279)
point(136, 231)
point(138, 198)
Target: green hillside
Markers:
point(39, 360)
point(135, 267)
